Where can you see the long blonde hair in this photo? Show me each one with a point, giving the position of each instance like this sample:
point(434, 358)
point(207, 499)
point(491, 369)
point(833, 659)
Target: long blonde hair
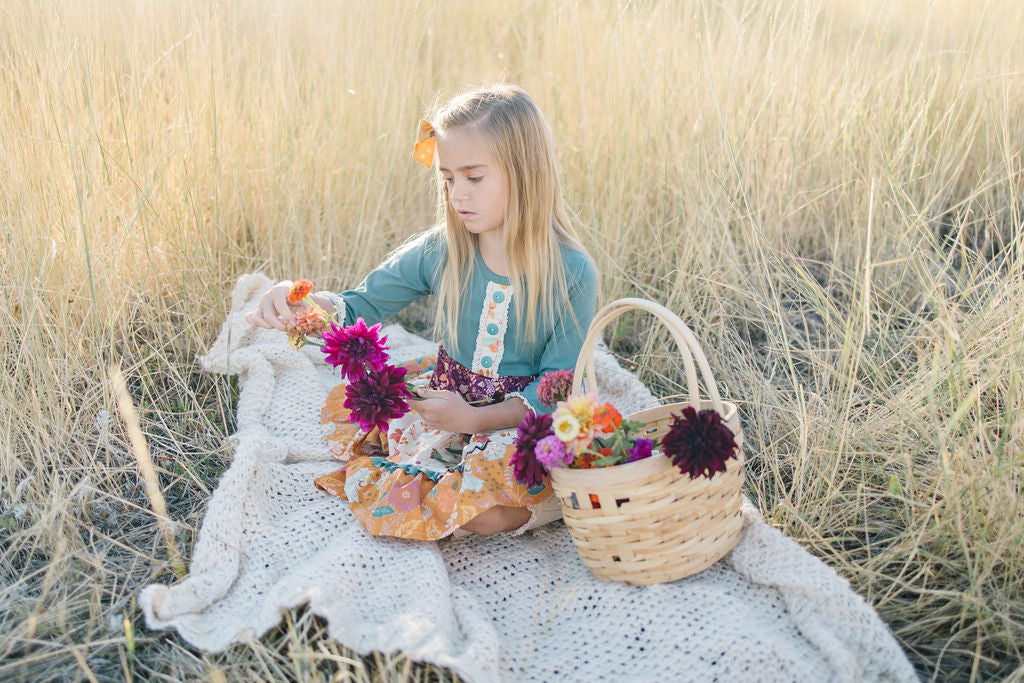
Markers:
point(537, 223)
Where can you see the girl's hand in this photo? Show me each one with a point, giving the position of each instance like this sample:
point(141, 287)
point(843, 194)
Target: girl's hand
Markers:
point(274, 313)
point(445, 410)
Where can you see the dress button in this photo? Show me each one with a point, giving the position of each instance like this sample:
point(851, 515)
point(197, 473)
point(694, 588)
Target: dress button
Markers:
point(499, 296)
point(486, 361)
point(492, 329)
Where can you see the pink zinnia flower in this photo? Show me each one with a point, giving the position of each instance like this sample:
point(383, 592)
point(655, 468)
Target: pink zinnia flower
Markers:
point(699, 443)
point(525, 466)
point(310, 321)
point(355, 348)
point(554, 387)
point(376, 398)
point(550, 452)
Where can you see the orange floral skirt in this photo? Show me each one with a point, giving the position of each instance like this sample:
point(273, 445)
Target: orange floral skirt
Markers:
point(417, 482)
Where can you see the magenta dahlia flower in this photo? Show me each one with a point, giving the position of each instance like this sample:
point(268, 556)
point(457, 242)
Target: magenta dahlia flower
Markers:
point(699, 443)
point(550, 452)
point(554, 387)
point(525, 466)
point(640, 450)
point(355, 349)
point(376, 398)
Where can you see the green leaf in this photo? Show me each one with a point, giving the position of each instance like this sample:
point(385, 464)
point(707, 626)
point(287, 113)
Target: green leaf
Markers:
point(894, 486)
point(609, 460)
point(633, 426)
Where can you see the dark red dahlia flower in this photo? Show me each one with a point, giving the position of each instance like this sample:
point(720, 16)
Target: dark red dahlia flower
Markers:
point(355, 349)
point(525, 466)
point(376, 398)
point(699, 443)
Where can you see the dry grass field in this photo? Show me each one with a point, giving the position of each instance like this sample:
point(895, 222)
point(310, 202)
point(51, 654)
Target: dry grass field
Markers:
point(830, 192)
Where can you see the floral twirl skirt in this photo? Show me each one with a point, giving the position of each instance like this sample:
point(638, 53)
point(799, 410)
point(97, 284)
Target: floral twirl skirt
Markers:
point(423, 483)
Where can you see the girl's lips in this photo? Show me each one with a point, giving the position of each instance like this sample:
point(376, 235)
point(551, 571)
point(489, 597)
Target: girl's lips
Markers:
point(466, 214)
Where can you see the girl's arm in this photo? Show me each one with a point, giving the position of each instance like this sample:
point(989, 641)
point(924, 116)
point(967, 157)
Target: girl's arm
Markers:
point(408, 274)
point(447, 410)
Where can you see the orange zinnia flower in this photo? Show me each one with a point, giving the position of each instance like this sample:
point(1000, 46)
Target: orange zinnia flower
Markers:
point(299, 291)
point(607, 418)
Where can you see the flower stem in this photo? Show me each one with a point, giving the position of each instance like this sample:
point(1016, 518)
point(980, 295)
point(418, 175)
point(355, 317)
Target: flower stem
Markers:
point(317, 307)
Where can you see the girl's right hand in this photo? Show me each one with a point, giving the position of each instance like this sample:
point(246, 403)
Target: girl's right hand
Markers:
point(445, 410)
point(273, 311)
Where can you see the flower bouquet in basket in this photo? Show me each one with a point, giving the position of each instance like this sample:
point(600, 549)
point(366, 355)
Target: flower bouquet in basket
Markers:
point(650, 497)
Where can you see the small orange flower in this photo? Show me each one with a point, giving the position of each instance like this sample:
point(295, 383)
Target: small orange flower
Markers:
point(582, 461)
point(299, 291)
point(607, 418)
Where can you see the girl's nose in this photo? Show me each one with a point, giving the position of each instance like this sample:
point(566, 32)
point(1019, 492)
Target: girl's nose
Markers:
point(459, 190)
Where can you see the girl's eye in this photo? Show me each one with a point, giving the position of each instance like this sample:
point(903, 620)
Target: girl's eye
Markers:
point(449, 180)
point(474, 179)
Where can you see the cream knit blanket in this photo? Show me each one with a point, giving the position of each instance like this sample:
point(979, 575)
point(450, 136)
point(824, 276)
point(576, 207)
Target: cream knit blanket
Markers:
point(498, 608)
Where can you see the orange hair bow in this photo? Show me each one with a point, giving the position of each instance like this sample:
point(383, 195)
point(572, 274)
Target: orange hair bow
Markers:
point(426, 144)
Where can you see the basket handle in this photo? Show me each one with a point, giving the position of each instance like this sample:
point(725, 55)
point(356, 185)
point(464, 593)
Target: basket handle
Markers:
point(689, 349)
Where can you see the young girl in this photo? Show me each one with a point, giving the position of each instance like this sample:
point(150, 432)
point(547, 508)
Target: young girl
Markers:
point(515, 293)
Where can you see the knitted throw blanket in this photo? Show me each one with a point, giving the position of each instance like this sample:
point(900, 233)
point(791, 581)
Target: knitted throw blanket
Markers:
point(495, 608)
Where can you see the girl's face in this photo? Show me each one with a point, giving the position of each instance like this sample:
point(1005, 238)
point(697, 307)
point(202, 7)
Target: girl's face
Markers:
point(477, 186)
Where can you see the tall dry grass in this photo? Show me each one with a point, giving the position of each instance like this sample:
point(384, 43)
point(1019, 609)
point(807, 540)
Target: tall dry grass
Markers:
point(830, 192)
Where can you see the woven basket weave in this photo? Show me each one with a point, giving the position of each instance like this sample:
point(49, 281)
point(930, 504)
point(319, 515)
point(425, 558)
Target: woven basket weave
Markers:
point(644, 522)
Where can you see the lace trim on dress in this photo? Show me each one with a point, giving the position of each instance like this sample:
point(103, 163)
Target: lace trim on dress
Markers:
point(523, 398)
point(490, 338)
point(339, 304)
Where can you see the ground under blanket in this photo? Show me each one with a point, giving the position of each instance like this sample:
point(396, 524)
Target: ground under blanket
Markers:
point(498, 608)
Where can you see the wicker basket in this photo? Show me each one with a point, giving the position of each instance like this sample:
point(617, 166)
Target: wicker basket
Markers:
point(644, 522)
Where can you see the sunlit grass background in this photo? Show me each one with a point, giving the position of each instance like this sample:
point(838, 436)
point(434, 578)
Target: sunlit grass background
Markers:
point(830, 193)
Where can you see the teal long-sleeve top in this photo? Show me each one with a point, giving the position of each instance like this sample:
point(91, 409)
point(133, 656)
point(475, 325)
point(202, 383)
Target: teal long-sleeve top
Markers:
point(489, 339)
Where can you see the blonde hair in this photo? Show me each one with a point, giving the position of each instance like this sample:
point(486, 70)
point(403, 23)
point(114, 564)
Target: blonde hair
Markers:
point(537, 223)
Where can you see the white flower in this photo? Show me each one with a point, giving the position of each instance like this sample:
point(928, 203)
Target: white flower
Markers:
point(566, 428)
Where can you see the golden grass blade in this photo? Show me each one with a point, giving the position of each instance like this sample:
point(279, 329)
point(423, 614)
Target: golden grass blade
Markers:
point(151, 482)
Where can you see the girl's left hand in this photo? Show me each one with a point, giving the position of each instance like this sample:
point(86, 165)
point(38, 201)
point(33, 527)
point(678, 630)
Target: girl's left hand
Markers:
point(445, 410)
